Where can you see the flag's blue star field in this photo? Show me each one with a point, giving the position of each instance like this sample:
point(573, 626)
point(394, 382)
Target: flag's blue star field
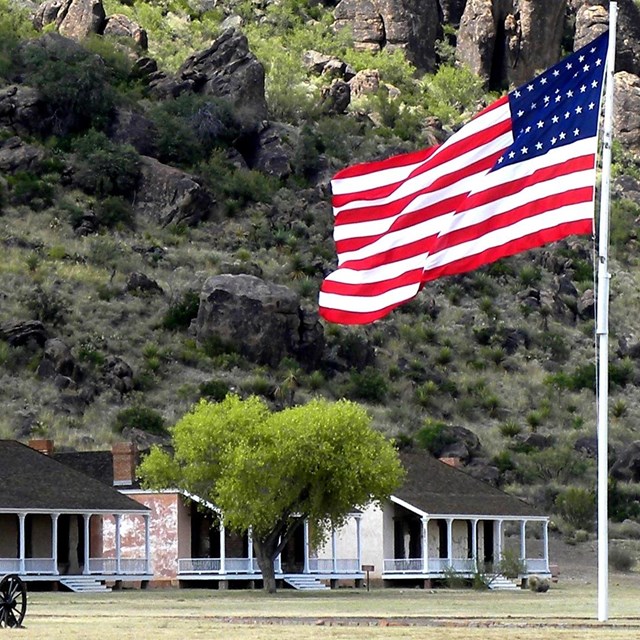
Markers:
point(558, 107)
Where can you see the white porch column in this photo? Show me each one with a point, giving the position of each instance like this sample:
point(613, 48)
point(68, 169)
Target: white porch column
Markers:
point(117, 517)
point(425, 544)
point(87, 519)
point(22, 543)
point(545, 540)
point(333, 550)
point(498, 542)
point(147, 542)
point(305, 526)
point(358, 518)
point(54, 542)
point(450, 541)
point(250, 548)
point(523, 543)
point(223, 550)
point(474, 542)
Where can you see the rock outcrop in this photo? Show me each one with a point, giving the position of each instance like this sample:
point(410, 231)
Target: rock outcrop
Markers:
point(410, 25)
point(626, 118)
point(259, 320)
point(507, 42)
point(170, 195)
point(75, 19)
point(78, 19)
point(226, 70)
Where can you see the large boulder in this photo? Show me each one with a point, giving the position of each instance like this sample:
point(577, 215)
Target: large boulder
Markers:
point(506, 42)
point(20, 109)
point(131, 127)
point(24, 332)
point(171, 196)
point(16, 155)
point(626, 117)
point(272, 155)
point(78, 19)
point(259, 320)
point(592, 19)
point(226, 70)
point(59, 364)
point(410, 25)
point(627, 465)
point(120, 26)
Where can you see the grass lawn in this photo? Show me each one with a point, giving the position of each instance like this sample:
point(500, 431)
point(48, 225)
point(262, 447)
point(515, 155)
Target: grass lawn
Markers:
point(568, 610)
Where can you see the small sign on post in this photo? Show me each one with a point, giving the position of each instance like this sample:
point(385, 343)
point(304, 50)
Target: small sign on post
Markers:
point(367, 568)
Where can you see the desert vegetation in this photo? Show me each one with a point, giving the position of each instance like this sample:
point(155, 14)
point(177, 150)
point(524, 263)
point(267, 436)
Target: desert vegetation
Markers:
point(505, 353)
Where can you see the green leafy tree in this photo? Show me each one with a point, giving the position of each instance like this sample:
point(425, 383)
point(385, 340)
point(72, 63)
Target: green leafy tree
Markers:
point(270, 471)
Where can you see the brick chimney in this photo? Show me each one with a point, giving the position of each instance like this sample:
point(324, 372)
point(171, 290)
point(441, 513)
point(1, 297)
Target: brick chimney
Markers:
point(452, 461)
point(43, 445)
point(124, 463)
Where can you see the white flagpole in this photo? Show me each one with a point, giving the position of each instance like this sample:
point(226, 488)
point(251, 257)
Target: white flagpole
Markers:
point(602, 328)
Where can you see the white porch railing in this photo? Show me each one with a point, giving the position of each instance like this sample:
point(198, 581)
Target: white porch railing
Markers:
point(199, 565)
point(536, 565)
point(240, 565)
point(109, 566)
point(106, 566)
point(403, 565)
point(39, 565)
point(9, 565)
point(448, 565)
point(326, 565)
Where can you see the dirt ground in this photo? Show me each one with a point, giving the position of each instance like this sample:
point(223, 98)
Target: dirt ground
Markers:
point(577, 562)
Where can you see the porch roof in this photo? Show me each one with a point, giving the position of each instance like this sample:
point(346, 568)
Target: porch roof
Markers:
point(37, 482)
point(440, 489)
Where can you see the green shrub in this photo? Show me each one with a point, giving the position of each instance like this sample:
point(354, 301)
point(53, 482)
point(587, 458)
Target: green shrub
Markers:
point(214, 390)
point(530, 275)
point(26, 188)
point(105, 168)
point(425, 393)
point(368, 384)
point(538, 584)
point(433, 437)
point(215, 346)
point(621, 559)
point(510, 429)
point(142, 418)
point(15, 25)
point(624, 501)
point(511, 565)
point(47, 305)
point(114, 212)
point(577, 507)
point(504, 461)
point(73, 84)
point(180, 314)
point(260, 386)
point(452, 94)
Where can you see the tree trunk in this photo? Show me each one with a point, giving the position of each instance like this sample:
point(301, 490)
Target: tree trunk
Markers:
point(265, 555)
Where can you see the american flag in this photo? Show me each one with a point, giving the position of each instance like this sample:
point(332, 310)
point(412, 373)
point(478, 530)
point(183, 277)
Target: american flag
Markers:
point(519, 175)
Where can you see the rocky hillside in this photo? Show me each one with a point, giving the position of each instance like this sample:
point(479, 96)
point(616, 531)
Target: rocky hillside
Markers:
point(166, 222)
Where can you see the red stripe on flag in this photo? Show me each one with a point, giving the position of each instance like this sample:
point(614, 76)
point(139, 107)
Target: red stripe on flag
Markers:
point(512, 247)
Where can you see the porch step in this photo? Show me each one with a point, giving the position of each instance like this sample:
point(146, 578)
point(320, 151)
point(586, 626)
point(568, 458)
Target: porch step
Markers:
point(84, 584)
point(305, 583)
point(500, 583)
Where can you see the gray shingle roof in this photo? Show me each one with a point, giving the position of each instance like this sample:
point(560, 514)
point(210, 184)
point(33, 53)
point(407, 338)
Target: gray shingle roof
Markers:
point(32, 480)
point(437, 488)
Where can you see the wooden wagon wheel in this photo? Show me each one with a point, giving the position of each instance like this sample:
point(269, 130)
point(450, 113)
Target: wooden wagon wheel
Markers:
point(13, 601)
